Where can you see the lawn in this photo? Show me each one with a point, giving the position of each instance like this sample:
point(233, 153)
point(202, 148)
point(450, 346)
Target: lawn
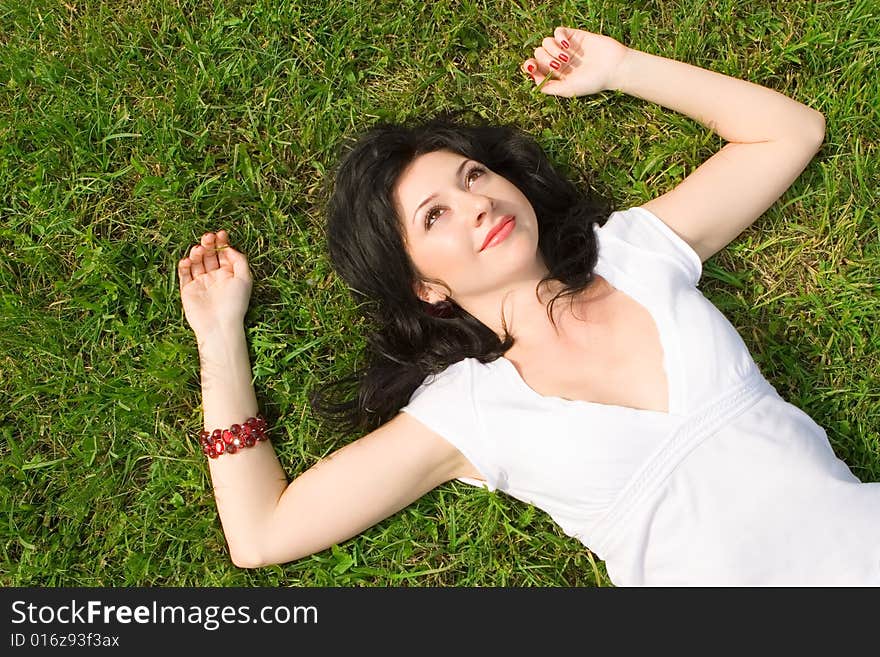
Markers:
point(129, 129)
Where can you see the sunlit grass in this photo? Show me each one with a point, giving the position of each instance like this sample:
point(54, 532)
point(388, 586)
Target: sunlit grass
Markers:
point(129, 129)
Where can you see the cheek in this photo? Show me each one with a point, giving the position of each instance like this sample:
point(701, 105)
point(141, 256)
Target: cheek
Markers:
point(524, 201)
point(442, 254)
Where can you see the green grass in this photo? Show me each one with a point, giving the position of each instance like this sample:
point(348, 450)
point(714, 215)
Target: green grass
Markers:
point(128, 129)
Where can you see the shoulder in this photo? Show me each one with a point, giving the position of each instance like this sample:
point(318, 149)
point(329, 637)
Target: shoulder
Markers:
point(451, 376)
point(631, 237)
point(450, 404)
point(447, 389)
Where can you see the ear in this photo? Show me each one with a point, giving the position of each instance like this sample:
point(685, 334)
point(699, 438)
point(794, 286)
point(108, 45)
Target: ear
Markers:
point(428, 293)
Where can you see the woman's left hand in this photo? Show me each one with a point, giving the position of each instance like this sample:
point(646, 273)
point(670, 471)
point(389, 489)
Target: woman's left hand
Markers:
point(578, 63)
point(215, 285)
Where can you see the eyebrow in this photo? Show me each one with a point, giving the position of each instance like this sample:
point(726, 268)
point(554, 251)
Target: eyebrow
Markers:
point(433, 196)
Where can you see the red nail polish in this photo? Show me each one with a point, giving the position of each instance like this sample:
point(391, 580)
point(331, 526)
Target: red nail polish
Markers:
point(530, 68)
point(563, 57)
point(554, 65)
point(564, 44)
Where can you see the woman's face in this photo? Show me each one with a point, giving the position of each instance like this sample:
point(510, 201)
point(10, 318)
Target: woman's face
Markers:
point(448, 204)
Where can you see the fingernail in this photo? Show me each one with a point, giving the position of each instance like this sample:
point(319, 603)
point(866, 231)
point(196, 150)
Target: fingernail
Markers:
point(563, 57)
point(530, 68)
point(554, 65)
point(564, 44)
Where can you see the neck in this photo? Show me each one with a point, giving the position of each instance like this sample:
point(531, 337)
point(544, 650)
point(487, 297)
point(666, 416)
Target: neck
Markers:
point(524, 311)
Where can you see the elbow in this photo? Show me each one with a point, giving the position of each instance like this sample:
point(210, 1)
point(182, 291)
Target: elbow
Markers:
point(247, 557)
point(815, 130)
point(251, 557)
point(246, 561)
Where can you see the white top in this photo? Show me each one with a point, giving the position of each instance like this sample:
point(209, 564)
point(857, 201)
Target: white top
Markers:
point(733, 486)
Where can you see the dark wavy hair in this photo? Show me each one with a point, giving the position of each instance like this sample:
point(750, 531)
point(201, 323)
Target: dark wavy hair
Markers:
point(411, 339)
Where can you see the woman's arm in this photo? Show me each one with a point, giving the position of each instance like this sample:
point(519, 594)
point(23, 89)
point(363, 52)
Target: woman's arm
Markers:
point(247, 484)
point(771, 137)
point(265, 520)
point(215, 288)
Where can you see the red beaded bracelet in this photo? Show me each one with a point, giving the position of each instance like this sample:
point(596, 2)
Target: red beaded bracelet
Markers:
point(236, 437)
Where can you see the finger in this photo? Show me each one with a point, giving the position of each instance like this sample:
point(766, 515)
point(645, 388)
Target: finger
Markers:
point(564, 37)
point(541, 80)
point(196, 255)
point(184, 272)
point(239, 263)
point(551, 86)
point(210, 258)
point(547, 64)
point(549, 81)
point(555, 50)
point(222, 246)
point(530, 66)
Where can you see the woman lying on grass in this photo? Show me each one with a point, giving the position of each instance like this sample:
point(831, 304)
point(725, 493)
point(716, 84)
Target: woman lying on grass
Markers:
point(540, 347)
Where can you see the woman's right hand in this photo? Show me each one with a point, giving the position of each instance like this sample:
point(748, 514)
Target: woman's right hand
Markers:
point(578, 63)
point(215, 285)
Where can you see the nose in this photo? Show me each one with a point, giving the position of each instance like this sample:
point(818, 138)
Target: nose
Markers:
point(481, 206)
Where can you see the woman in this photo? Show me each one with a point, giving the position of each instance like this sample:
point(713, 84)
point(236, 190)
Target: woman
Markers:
point(537, 348)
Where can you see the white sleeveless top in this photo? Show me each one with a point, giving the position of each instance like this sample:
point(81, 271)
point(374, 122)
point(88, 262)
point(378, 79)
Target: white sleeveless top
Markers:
point(733, 486)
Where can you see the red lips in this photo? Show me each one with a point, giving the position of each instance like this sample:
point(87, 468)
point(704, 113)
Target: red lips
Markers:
point(501, 223)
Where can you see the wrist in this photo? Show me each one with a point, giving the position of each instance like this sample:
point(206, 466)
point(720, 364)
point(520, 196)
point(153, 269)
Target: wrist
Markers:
point(220, 337)
point(223, 350)
point(226, 378)
point(618, 80)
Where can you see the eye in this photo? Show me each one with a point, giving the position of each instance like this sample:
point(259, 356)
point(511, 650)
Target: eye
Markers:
point(473, 174)
point(433, 213)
